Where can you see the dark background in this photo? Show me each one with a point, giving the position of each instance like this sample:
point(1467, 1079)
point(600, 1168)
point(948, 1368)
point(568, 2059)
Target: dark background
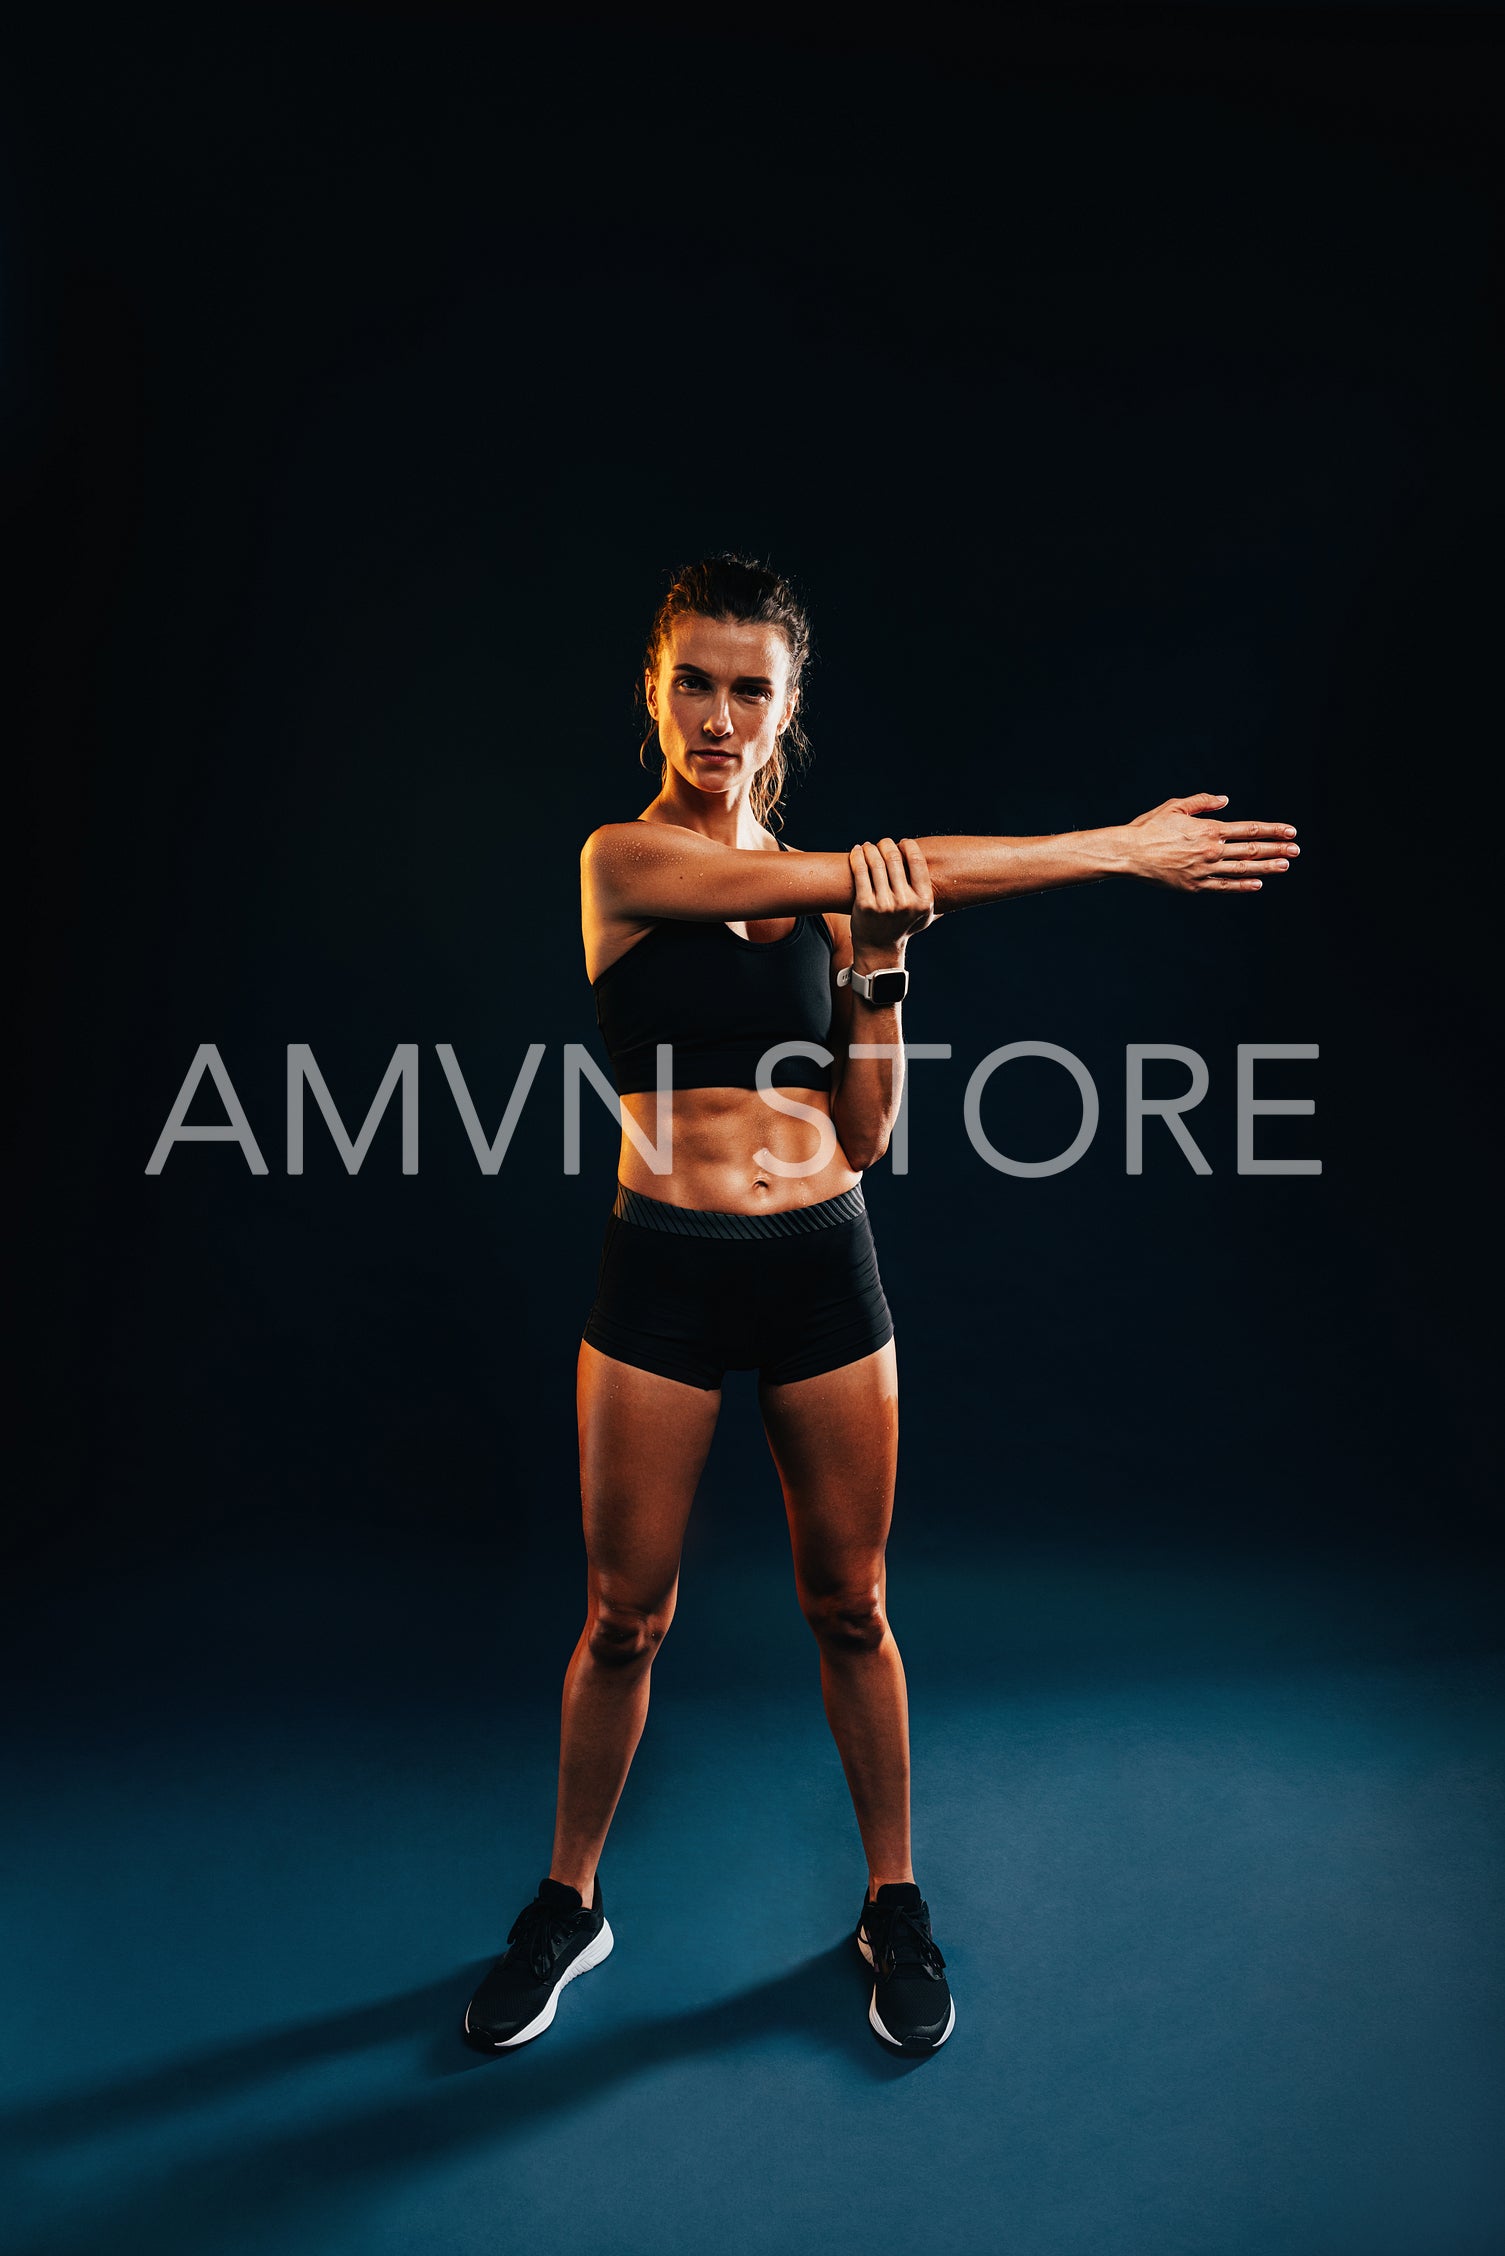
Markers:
point(1122, 387)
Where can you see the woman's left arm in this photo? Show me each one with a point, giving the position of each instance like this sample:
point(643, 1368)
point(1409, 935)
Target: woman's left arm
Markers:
point(891, 899)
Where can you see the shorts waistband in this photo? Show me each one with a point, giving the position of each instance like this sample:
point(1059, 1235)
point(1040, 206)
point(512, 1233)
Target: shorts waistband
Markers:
point(708, 1222)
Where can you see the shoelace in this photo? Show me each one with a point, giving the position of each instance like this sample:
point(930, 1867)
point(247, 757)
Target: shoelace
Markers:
point(536, 1934)
point(906, 1940)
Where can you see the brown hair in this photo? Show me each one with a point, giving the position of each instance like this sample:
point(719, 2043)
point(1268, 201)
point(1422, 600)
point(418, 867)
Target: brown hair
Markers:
point(753, 594)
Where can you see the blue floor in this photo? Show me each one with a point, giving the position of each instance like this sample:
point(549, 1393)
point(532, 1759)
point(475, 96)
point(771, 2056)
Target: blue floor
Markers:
point(1214, 1851)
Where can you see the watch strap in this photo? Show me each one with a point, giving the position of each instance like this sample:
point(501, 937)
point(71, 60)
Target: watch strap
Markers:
point(862, 982)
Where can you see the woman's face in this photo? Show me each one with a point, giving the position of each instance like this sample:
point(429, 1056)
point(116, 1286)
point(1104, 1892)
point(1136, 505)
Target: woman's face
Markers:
point(721, 698)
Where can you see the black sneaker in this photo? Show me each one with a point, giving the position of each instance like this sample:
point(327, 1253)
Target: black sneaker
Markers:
point(912, 2009)
point(552, 1939)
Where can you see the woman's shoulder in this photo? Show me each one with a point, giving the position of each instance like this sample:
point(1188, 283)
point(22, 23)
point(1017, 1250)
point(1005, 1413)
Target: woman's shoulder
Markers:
point(609, 834)
point(611, 838)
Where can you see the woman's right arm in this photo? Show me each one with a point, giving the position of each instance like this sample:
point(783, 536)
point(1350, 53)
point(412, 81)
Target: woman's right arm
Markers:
point(648, 870)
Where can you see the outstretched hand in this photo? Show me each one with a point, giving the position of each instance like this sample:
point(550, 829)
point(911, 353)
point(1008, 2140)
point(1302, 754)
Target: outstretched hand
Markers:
point(891, 895)
point(1185, 843)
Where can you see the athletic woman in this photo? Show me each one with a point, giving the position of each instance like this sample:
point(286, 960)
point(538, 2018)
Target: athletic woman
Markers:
point(738, 1239)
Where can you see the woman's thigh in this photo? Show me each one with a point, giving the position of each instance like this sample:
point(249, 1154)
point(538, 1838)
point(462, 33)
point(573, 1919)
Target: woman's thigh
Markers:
point(643, 1446)
point(835, 1442)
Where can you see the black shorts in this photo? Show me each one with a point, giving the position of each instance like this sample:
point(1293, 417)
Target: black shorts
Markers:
point(692, 1294)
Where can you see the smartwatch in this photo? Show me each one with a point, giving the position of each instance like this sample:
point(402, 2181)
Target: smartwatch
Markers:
point(882, 989)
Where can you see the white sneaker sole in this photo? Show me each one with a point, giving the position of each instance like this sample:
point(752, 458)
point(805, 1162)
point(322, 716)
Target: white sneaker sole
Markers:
point(876, 2018)
point(591, 1956)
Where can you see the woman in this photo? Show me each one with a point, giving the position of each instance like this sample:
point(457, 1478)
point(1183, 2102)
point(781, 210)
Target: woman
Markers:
point(753, 1249)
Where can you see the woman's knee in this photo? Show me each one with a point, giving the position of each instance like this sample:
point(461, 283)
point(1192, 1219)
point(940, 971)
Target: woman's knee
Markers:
point(848, 1620)
point(622, 1634)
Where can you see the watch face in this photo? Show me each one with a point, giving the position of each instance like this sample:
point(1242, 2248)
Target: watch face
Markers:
point(890, 987)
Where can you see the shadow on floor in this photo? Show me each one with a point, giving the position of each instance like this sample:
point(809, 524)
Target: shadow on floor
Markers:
point(224, 2198)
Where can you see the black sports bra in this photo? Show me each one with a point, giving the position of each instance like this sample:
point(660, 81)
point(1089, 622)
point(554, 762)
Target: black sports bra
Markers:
point(721, 1001)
